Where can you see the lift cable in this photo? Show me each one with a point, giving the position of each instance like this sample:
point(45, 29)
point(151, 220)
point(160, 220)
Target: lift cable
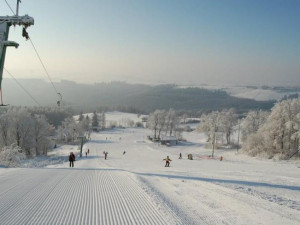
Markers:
point(44, 68)
point(25, 34)
point(23, 88)
point(10, 7)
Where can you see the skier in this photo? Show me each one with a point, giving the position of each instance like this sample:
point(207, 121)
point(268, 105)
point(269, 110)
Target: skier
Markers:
point(72, 159)
point(180, 156)
point(124, 152)
point(105, 155)
point(167, 161)
point(86, 154)
point(88, 151)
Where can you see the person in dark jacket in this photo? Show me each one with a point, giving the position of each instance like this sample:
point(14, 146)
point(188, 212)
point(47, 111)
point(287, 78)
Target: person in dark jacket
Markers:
point(71, 159)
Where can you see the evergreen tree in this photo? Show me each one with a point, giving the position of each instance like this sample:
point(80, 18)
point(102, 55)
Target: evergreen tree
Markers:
point(80, 117)
point(95, 121)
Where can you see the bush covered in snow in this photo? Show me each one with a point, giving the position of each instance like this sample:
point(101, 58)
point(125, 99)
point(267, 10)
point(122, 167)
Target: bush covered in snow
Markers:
point(10, 156)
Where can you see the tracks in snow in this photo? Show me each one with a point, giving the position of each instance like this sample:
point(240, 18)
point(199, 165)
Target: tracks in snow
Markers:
point(74, 196)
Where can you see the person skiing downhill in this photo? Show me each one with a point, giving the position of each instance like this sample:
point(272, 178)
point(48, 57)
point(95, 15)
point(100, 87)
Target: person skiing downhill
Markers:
point(72, 159)
point(105, 155)
point(180, 156)
point(167, 161)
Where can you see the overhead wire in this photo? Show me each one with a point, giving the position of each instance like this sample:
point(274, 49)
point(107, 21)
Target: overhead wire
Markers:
point(38, 55)
point(24, 89)
point(9, 7)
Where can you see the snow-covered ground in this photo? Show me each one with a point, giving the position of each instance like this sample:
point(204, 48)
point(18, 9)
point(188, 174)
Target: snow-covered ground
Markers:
point(118, 118)
point(255, 92)
point(136, 188)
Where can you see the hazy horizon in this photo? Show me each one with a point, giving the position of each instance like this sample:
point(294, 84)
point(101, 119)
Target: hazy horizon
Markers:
point(187, 84)
point(188, 42)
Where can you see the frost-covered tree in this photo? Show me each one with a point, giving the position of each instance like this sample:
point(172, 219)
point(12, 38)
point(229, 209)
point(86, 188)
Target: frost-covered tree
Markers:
point(95, 120)
point(21, 129)
point(10, 156)
point(102, 121)
point(161, 121)
point(228, 119)
point(153, 122)
point(172, 122)
point(68, 131)
point(252, 122)
point(24, 129)
point(280, 134)
point(41, 130)
point(80, 118)
point(4, 129)
point(84, 124)
point(210, 124)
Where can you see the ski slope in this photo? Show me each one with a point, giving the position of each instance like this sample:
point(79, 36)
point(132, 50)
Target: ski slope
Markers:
point(64, 196)
point(136, 188)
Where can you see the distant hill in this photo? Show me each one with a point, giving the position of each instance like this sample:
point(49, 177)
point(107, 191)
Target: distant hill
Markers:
point(126, 97)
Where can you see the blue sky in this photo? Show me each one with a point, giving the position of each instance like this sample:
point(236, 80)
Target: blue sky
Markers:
point(160, 41)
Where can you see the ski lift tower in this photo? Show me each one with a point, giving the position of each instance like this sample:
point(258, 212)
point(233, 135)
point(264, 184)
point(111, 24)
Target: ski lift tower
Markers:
point(5, 23)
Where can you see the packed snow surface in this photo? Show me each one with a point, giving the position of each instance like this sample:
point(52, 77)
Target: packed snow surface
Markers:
point(136, 188)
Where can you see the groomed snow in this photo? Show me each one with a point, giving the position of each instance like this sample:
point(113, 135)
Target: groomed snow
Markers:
point(136, 188)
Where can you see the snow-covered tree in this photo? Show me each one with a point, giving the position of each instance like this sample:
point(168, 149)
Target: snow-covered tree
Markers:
point(84, 124)
point(210, 125)
point(95, 120)
point(252, 122)
point(24, 129)
point(10, 156)
point(228, 120)
point(40, 131)
point(21, 129)
point(68, 131)
point(80, 118)
point(172, 122)
point(4, 129)
point(280, 134)
point(161, 121)
point(153, 122)
point(102, 121)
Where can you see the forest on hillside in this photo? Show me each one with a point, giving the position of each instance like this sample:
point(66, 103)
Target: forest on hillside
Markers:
point(136, 98)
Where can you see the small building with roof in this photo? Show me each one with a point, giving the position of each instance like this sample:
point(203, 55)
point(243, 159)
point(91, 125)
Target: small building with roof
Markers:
point(168, 140)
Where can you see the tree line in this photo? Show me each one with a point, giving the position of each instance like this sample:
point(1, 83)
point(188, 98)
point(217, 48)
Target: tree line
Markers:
point(269, 134)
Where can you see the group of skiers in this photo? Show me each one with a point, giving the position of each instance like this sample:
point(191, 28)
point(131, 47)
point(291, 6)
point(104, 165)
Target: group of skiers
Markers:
point(72, 158)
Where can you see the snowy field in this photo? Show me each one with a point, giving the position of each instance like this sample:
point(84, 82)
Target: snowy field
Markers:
point(136, 188)
point(257, 93)
point(117, 118)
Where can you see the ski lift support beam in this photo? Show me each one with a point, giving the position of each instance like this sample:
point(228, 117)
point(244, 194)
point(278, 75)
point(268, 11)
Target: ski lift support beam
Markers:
point(5, 23)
